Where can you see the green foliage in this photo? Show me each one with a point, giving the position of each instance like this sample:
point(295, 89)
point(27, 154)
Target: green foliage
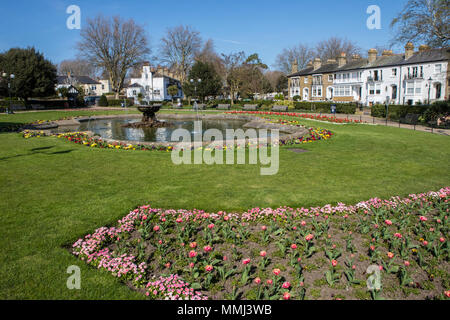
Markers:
point(325, 107)
point(173, 90)
point(426, 113)
point(103, 102)
point(210, 84)
point(34, 75)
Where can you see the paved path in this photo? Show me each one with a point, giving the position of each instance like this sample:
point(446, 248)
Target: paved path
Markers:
point(397, 124)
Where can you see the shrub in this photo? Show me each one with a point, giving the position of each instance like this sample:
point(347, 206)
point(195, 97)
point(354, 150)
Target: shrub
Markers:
point(325, 107)
point(103, 102)
point(118, 102)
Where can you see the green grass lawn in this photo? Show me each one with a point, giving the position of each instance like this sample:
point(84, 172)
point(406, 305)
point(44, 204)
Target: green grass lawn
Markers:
point(53, 192)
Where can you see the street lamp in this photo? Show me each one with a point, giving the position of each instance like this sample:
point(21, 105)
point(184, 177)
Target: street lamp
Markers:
point(195, 87)
point(9, 79)
point(430, 81)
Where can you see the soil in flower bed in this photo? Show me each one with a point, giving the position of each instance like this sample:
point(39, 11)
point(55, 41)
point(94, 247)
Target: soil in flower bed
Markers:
point(284, 253)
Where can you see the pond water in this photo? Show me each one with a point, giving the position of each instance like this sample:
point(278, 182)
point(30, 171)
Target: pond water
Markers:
point(113, 128)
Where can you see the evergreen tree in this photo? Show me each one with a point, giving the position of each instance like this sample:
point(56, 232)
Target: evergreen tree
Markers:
point(34, 75)
point(210, 84)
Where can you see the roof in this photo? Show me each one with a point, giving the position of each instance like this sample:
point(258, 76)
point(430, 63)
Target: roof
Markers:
point(76, 79)
point(134, 85)
point(430, 55)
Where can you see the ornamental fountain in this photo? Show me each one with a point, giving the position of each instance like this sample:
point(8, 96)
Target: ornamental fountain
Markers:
point(149, 119)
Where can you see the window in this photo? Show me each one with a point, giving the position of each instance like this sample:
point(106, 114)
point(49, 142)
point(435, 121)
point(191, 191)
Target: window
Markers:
point(343, 91)
point(317, 91)
point(437, 68)
point(330, 78)
point(372, 89)
point(378, 89)
point(394, 72)
point(306, 79)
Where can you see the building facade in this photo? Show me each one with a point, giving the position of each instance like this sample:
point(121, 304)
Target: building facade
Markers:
point(152, 86)
point(409, 78)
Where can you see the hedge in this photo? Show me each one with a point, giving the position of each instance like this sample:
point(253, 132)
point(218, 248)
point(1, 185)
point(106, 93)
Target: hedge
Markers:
point(426, 112)
point(325, 107)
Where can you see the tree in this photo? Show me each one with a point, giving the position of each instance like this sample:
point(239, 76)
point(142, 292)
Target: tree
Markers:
point(282, 84)
point(35, 76)
point(210, 84)
point(234, 72)
point(426, 21)
point(77, 67)
point(334, 46)
point(173, 90)
point(252, 76)
point(209, 55)
point(103, 102)
point(272, 77)
point(301, 54)
point(179, 48)
point(114, 45)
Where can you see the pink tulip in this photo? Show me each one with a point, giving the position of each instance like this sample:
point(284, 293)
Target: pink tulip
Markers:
point(263, 254)
point(246, 261)
point(209, 268)
point(276, 271)
point(293, 246)
point(286, 296)
point(156, 228)
point(258, 280)
point(334, 263)
point(286, 285)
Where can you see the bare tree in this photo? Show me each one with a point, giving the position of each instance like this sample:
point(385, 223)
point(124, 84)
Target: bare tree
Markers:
point(334, 46)
point(300, 53)
point(425, 21)
point(234, 72)
point(273, 77)
point(114, 45)
point(179, 48)
point(209, 55)
point(77, 67)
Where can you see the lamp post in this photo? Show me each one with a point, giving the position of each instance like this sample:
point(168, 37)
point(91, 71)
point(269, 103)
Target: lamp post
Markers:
point(9, 79)
point(429, 89)
point(195, 88)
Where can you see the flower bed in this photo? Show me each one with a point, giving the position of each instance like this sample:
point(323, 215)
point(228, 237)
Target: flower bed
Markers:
point(299, 115)
point(284, 253)
point(94, 142)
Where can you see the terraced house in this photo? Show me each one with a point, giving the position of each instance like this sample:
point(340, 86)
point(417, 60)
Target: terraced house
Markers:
point(407, 78)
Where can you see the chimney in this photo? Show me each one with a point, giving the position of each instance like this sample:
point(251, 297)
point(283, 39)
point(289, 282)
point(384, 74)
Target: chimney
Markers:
point(423, 48)
point(294, 67)
point(409, 50)
point(373, 55)
point(310, 64)
point(317, 63)
point(387, 53)
point(342, 59)
point(356, 57)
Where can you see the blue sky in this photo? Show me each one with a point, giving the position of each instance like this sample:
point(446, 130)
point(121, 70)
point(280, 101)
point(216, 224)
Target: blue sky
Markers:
point(261, 26)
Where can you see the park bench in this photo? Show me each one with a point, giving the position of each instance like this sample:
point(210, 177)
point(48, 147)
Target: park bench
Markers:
point(18, 108)
point(200, 106)
point(223, 107)
point(280, 108)
point(250, 107)
point(410, 118)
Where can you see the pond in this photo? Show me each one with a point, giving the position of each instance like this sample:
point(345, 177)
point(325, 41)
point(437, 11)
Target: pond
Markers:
point(113, 128)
